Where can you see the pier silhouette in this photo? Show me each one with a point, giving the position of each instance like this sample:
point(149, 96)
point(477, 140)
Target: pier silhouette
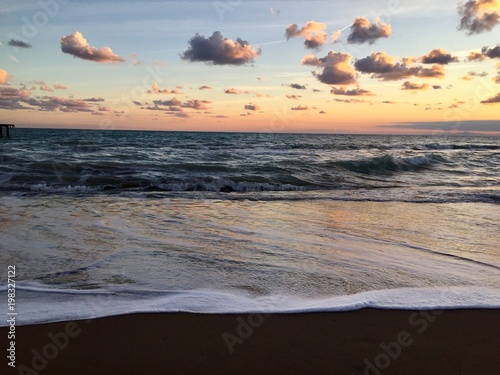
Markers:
point(7, 127)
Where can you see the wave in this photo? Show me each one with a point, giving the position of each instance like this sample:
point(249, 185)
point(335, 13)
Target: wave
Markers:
point(67, 305)
point(389, 164)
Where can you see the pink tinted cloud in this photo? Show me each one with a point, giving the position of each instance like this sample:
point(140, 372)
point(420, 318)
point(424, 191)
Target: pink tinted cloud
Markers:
point(77, 46)
point(3, 77)
point(314, 33)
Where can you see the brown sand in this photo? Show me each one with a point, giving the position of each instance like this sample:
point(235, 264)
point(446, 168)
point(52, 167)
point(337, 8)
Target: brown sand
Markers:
point(358, 342)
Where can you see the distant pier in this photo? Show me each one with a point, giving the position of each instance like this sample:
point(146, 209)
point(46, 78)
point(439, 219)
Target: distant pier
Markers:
point(6, 127)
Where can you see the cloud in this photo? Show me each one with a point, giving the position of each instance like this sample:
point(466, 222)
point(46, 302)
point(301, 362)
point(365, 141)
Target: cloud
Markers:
point(4, 76)
point(60, 87)
point(231, 90)
point(436, 87)
point(155, 89)
point(19, 43)
point(297, 86)
point(259, 95)
point(479, 16)
point(349, 100)
point(175, 105)
point(171, 102)
point(465, 125)
point(353, 92)
point(300, 108)
point(196, 104)
point(95, 100)
point(474, 74)
point(336, 68)
point(335, 36)
point(414, 86)
point(205, 87)
point(252, 107)
point(218, 50)
point(494, 99)
point(492, 53)
point(386, 68)
point(76, 45)
point(486, 52)
point(438, 56)
point(313, 32)
point(476, 56)
point(46, 88)
point(11, 98)
point(362, 31)
point(294, 96)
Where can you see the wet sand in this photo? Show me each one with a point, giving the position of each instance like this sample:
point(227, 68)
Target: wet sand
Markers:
point(357, 342)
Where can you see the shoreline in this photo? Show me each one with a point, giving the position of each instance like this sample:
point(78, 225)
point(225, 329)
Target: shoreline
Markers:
point(368, 341)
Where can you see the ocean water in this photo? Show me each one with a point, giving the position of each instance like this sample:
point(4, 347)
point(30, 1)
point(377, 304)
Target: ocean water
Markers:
point(101, 223)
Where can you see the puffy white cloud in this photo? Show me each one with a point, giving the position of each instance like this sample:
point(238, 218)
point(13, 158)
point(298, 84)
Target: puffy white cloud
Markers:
point(77, 46)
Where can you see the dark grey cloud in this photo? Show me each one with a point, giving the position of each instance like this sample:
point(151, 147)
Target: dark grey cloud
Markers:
point(171, 102)
point(353, 92)
point(95, 100)
point(474, 125)
point(297, 86)
point(478, 16)
point(486, 53)
point(12, 98)
point(19, 43)
point(386, 68)
point(438, 56)
point(363, 31)
point(336, 68)
point(493, 100)
point(492, 53)
point(252, 107)
point(474, 74)
point(300, 108)
point(218, 50)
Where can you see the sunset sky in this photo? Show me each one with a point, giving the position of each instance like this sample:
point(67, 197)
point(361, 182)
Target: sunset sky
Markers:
point(347, 66)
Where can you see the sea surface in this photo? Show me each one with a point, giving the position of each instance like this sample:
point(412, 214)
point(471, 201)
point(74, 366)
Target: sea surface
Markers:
point(101, 223)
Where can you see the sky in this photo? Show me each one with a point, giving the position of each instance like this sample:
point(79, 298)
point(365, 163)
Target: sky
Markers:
point(347, 66)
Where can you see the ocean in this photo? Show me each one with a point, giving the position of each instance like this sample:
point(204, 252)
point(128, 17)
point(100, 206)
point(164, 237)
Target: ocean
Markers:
point(100, 223)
